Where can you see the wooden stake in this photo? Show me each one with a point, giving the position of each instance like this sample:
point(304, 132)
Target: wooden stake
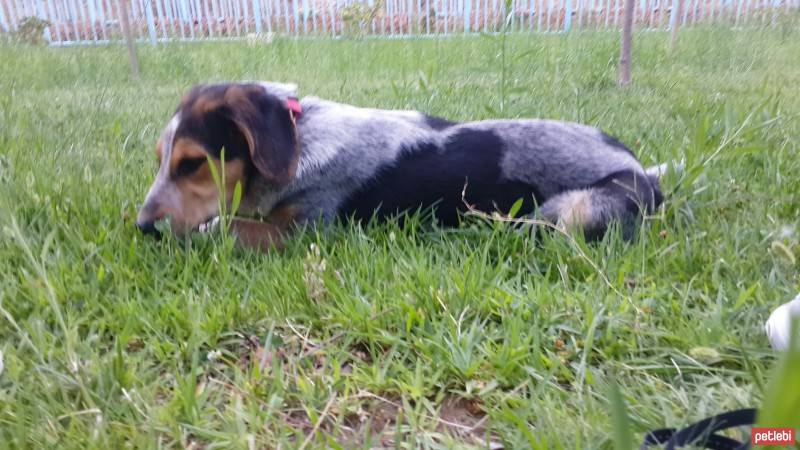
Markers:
point(625, 45)
point(673, 38)
point(123, 6)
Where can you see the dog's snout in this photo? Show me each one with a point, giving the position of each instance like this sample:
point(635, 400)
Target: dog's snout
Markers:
point(148, 227)
point(146, 222)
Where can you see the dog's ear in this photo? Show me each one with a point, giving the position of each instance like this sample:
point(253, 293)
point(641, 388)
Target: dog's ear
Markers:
point(268, 127)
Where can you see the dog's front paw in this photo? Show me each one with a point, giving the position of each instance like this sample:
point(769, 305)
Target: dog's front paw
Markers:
point(257, 234)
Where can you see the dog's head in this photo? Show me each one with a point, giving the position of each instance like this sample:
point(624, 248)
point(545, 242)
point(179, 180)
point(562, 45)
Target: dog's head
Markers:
point(251, 121)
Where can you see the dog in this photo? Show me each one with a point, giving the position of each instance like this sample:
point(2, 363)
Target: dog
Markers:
point(310, 160)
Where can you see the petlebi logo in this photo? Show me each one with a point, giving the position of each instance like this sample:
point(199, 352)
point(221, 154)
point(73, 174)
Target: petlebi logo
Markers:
point(772, 436)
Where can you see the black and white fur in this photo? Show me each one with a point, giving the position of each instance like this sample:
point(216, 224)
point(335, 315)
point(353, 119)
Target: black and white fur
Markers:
point(360, 162)
point(368, 164)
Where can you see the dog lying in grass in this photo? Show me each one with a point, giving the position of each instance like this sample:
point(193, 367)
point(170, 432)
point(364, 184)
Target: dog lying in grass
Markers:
point(301, 161)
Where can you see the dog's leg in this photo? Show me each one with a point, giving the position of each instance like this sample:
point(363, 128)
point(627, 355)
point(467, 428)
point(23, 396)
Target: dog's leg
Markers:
point(622, 197)
point(265, 235)
point(258, 235)
point(589, 211)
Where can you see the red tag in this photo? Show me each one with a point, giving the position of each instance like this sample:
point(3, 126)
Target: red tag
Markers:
point(772, 436)
point(294, 105)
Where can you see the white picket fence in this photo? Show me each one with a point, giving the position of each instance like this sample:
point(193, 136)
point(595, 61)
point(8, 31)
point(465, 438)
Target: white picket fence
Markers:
point(97, 21)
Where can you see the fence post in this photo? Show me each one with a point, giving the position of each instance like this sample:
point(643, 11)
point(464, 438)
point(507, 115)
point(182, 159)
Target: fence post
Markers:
point(171, 17)
point(41, 12)
point(467, 13)
point(162, 18)
point(246, 15)
point(122, 7)
point(296, 13)
point(539, 11)
point(3, 24)
point(331, 5)
point(625, 44)
point(184, 14)
point(286, 27)
point(151, 25)
point(82, 15)
point(568, 16)
point(446, 15)
point(549, 14)
point(92, 19)
point(269, 10)
point(257, 15)
point(688, 6)
point(427, 16)
point(104, 12)
point(212, 12)
point(13, 16)
point(235, 9)
point(53, 15)
point(738, 12)
point(417, 4)
point(208, 16)
point(674, 23)
point(673, 14)
point(305, 16)
point(531, 7)
point(410, 15)
point(73, 18)
point(61, 14)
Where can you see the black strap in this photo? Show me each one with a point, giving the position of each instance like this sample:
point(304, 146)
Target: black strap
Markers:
point(703, 432)
point(713, 442)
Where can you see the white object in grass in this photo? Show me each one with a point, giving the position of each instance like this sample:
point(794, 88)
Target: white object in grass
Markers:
point(209, 225)
point(660, 170)
point(779, 324)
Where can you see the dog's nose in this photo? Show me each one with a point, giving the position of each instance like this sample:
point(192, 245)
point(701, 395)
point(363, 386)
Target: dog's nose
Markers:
point(148, 228)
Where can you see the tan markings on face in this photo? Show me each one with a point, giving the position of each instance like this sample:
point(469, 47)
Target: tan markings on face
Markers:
point(237, 95)
point(205, 104)
point(199, 196)
point(184, 149)
point(159, 149)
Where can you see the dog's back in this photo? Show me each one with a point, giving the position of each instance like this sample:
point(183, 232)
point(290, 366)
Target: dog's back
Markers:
point(388, 162)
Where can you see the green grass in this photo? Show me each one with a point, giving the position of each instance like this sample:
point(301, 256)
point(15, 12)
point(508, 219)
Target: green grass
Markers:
point(112, 339)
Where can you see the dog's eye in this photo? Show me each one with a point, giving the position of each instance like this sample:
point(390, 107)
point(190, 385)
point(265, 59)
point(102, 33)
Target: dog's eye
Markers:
point(188, 165)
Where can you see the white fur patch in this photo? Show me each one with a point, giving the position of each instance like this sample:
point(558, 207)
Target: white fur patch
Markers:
point(571, 209)
point(165, 191)
point(163, 188)
point(575, 209)
point(659, 170)
point(381, 133)
point(169, 136)
point(209, 226)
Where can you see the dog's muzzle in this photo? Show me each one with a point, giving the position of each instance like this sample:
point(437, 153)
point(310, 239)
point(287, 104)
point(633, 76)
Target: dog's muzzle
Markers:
point(149, 228)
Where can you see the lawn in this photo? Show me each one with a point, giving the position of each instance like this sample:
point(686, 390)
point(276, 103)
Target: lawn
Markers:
point(390, 336)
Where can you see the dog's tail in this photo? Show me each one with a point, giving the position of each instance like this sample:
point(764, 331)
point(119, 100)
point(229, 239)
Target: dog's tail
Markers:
point(656, 172)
